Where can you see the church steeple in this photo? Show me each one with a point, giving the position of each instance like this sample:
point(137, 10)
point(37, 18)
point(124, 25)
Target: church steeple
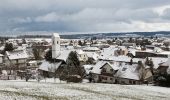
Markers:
point(55, 45)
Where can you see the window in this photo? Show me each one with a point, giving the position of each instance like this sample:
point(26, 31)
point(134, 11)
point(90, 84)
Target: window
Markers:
point(130, 81)
point(57, 42)
point(104, 70)
point(111, 70)
point(122, 82)
point(111, 78)
point(134, 82)
point(53, 41)
point(124, 69)
point(104, 78)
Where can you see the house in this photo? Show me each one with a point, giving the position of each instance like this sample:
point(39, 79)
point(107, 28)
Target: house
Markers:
point(82, 56)
point(159, 63)
point(91, 49)
point(32, 64)
point(128, 74)
point(16, 60)
point(113, 51)
point(104, 72)
point(92, 55)
point(129, 44)
point(48, 69)
point(88, 68)
point(164, 67)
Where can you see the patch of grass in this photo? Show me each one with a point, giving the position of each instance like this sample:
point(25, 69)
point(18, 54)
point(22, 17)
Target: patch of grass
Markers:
point(114, 97)
point(38, 97)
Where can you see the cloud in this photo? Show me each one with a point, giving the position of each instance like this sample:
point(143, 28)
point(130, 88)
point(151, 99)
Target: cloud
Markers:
point(51, 17)
point(84, 15)
point(166, 13)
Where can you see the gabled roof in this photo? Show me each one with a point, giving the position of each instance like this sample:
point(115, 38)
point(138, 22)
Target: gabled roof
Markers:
point(167, 64)
point(88, 68)
point(91, 48)
point(1, 55)
point(128, 72)
point(98, 67)
point(92, 55)
point(19, 54)
point(80, 52)
point(107, 52)
point(157, 61)
point(49, 67)
point(63, 55)
point(121, 58)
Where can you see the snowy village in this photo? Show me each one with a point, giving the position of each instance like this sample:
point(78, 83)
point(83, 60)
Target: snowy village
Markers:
point(84, 49)
point(129, 61)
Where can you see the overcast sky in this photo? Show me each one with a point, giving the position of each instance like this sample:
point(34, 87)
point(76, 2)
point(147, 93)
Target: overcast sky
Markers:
point(84, 15)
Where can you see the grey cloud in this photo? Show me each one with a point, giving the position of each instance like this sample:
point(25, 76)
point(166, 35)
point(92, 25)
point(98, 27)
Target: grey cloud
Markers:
point(166, 14)
point(80, 15)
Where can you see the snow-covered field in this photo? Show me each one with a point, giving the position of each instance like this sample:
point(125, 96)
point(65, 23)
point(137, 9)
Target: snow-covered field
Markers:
point(32, 90)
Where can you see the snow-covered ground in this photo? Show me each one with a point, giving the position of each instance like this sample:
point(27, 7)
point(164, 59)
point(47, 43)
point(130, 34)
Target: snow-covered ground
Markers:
point(32, 90)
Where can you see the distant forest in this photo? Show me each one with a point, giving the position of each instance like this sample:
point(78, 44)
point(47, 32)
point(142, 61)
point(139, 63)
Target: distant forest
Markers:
point(78, 36)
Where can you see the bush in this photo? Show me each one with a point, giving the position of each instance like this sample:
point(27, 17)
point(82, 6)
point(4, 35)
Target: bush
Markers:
point(162, 80)
point(74, 78)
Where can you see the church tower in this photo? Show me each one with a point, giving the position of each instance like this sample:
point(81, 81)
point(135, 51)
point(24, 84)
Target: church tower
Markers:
point(55, 45)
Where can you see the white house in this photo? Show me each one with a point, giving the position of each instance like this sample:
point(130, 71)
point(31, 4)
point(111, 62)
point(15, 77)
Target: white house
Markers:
point(16, 60)
point(104, 72)
point(82, 56)
point(128, 74)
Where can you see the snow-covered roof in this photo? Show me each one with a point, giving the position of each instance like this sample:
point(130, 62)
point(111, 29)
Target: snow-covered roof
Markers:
point(91, 49)
point(133, 51)
point(167, 63)
point(106, 52)
point(64, 55)
point(50, 67)
point(115, 65)
point(2, 48)
point(32, 62)
point(97, 68)
point(157, 61)
point(88, 68)
point(20, 48)
point(147, 50)
point(121, 58)
point(165, 52)
point(122, 47)
point(20, 54)
point(1, 55)
point(128, 72)
point(80, 52)
point(92, 55)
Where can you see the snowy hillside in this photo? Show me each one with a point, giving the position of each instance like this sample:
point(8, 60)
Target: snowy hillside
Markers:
point(21, 90)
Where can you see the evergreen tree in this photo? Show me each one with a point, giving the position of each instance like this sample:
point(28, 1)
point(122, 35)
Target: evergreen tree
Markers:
point(48, 55)
point(80, 43)
point(8, 47)
point(72, 71)
point(37, 53)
